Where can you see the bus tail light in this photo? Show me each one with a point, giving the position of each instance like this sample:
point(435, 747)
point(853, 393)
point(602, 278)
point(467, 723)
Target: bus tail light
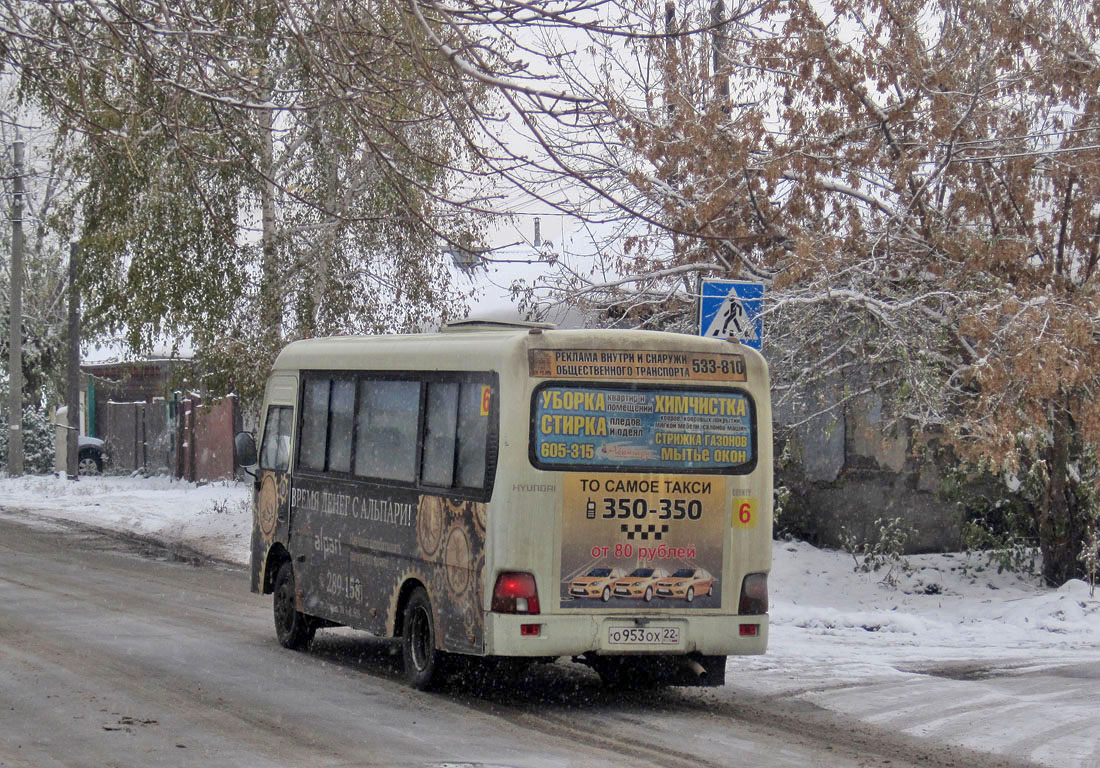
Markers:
point(754, 595)
point(515, 592)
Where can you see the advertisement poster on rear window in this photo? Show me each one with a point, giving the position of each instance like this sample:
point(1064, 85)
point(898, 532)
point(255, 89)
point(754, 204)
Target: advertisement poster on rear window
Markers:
point(642, 541)
point(655, 429)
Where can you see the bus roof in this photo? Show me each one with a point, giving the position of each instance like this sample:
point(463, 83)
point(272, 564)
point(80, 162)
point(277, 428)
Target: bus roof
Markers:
point(479, 346)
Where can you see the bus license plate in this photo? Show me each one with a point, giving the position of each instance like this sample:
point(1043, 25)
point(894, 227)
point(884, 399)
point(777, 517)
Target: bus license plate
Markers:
point(643, 635)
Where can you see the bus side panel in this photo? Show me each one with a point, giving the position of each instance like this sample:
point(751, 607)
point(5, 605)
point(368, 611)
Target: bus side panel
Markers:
point(357, 545)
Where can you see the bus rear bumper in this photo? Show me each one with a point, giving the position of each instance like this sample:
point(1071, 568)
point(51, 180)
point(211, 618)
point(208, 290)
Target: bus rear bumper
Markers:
point(574, 635)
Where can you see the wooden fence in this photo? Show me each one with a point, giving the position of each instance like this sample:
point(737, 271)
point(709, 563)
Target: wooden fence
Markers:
point(182, 436)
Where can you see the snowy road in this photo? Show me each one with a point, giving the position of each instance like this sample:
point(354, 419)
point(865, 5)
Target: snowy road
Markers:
point(113, 654)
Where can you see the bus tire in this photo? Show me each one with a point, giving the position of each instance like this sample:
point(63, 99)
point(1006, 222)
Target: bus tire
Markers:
point(293, 629)
point(421, 660)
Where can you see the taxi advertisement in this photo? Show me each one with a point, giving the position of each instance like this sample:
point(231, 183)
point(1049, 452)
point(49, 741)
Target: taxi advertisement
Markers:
point(642, 541)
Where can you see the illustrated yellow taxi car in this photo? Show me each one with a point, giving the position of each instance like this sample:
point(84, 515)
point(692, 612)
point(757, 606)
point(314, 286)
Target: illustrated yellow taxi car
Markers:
point(596, 583)
point(686, 583)
point(638, 583)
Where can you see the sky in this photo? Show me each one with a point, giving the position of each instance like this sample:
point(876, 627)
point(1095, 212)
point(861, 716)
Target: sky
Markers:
point(841, 640)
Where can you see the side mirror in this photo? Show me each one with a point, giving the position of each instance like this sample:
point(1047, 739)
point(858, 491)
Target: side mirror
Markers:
point(244, 450)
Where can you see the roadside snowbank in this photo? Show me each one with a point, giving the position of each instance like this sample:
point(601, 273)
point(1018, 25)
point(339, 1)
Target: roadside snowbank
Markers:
point(214, 519)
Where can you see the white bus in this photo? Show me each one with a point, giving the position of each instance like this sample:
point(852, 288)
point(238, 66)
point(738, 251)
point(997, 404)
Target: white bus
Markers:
point(512, 490)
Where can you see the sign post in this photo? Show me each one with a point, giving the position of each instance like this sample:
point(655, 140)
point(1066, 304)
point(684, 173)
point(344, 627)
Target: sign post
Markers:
point(730, 309)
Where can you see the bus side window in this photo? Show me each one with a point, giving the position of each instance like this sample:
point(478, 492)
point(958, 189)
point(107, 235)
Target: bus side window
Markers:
point(311, 448)
point(340, 430)
point(473, 434)
point(275, 451)
point(385, 442)
point(439, 439)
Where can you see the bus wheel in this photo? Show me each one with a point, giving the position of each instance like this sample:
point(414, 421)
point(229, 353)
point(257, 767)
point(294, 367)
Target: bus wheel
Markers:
point(418, 652)
point(294, 629)
point(648, 594)
point(606, 594)
point(690, 594)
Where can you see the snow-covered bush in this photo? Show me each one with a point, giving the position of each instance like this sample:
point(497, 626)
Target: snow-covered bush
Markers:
point(1090, 552)
point(884, 550)
point(38, 442)
point(1006, 548)
point(999, 520)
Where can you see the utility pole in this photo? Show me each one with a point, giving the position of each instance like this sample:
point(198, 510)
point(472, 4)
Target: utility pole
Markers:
point(15, 331)
point(72, 389)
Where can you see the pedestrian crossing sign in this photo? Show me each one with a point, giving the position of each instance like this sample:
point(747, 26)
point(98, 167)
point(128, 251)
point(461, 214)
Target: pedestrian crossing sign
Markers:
point(730, 309)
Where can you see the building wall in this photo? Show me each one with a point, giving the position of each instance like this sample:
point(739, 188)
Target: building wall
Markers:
point(844, 473)
point(129, 382)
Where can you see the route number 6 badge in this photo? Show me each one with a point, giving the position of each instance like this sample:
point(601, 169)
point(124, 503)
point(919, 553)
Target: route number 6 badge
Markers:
point(744, 512)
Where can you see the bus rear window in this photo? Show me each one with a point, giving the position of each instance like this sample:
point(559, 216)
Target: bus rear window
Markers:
point(643, 430)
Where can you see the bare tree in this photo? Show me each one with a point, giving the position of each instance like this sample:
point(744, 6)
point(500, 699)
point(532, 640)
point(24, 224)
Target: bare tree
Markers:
point(917, 186)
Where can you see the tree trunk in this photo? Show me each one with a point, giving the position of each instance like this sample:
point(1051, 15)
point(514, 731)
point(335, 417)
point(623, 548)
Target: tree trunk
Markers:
point(1061, 522)
point(310, 312)
point(271, 305)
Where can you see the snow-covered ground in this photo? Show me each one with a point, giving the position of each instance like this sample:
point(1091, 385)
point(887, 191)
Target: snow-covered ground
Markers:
point(213, 519)
point(949, 608)
point(840, 639)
